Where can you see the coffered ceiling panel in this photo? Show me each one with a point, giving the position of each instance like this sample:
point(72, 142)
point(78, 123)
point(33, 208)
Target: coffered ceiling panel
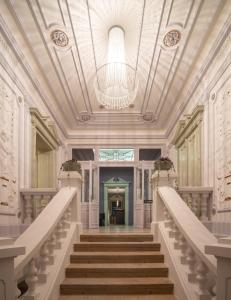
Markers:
point(69, 41)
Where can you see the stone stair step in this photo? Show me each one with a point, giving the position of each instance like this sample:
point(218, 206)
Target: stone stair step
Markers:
point(115, 246)
point(117, 297)
point(117, 257)
point(117, 270)
point(116, 286)
point(116, 237)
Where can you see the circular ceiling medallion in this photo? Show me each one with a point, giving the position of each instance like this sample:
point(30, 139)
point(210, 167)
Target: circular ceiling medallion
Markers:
point(172, 38)
point(59, 38)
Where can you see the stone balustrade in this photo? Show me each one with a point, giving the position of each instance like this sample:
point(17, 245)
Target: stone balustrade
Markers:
point(47, 245)
point(33, 201)
point(199, 200)
point(222, 252)
point(180, 231)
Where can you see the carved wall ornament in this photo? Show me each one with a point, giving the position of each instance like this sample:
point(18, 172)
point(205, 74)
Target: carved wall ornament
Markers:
point(213, 96)
point(172, 38)
point(9, 132)
point(149, 117)
point(84, 117)
point(59, 38)
point(222, 156)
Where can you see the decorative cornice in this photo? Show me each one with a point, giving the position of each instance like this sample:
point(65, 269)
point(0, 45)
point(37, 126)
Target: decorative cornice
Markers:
point(188, 125)
point(41, 126)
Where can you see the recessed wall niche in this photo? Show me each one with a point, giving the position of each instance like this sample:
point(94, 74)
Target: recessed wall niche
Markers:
point(44, 144)
point(189, 147)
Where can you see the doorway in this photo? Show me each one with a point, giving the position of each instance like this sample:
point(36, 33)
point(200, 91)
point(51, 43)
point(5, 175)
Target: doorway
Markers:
point(116, 196)
point(116, 206)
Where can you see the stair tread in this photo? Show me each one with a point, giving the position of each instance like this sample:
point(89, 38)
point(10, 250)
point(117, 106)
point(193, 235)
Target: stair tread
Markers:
point(118, 281)
point(116, 243)
point(116, 265)
point(117, 297)
point(116, 253)
point(116, 234)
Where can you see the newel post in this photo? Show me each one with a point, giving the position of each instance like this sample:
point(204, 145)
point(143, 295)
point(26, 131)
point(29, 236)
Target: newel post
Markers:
point(73, 179)
point(223, 254)
point(7, 281)
point(160, 178)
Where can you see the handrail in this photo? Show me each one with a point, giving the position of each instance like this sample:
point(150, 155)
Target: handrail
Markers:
point(196, 234)
point(39, 231)
point(185, 237)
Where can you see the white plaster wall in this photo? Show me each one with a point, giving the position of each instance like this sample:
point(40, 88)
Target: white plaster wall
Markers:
point(213, 91)
point(17, 95)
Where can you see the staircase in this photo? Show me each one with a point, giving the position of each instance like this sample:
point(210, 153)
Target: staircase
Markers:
point(116, 264)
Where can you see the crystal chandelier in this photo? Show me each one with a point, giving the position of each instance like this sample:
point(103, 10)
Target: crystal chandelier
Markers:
point(116, 83)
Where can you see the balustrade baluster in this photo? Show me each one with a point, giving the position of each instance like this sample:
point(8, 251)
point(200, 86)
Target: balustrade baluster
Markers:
point(191, 261)
point(44, 201)
point(202, 281)
point(37, 205)
point(51, 243)
point(189, 200)
point(195, 202)
point(64, 226)
point(204, 206)
point(43, 262)
point(183, 248)
point(166, 216)
point(173, 230)
point(184, 196)
point(177, 238)
point(28, 209)
point(58, 233)
point(31, 280)
point(67, 216)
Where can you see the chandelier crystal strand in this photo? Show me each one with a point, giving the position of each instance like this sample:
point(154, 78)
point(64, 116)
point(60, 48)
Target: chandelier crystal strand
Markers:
point(115, 83)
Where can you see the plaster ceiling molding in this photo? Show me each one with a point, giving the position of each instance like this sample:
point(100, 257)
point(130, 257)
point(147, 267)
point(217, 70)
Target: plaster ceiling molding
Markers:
point(84, 117)
point(82, 26)
point(149, 117)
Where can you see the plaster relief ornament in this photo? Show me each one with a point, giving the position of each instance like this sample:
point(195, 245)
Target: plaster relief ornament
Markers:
point(149, 117)
point(84, 117)
point(172, 38)
point(59, 38)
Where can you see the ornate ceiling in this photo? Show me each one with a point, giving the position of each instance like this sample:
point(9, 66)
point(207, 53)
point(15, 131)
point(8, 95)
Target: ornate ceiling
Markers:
point(68, 40)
